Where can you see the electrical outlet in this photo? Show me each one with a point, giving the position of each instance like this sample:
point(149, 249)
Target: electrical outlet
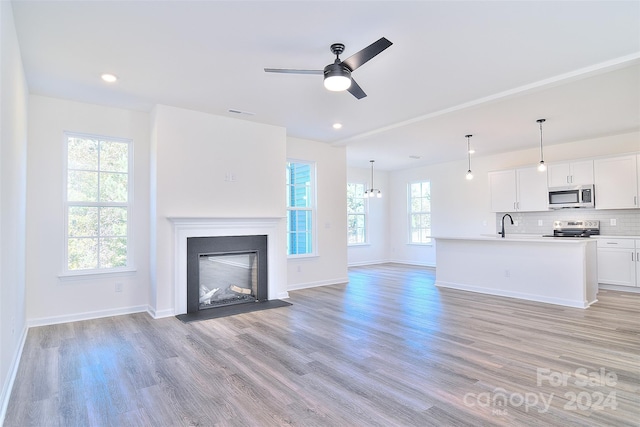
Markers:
point(118, 286)
point(540, 223)
point(613, 221)
point(507, 273)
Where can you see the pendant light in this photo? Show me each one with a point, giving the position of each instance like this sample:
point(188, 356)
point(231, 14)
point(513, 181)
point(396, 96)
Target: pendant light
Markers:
point(372, 192)
point(469, 174)
point(541, 167)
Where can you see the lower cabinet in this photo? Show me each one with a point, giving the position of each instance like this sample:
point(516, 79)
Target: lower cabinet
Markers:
point(618, 262)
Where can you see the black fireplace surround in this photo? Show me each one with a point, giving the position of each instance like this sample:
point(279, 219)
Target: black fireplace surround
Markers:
point(225, 245)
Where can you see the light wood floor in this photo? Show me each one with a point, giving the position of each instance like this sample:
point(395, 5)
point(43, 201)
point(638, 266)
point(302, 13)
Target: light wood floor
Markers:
point(388, 349)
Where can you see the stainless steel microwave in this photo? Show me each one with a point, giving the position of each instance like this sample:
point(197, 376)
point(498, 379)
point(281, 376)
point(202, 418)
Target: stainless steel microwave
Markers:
point(577, 196)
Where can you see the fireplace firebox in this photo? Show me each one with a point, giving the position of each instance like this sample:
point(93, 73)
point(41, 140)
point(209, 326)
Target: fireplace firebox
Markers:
point(226, 270)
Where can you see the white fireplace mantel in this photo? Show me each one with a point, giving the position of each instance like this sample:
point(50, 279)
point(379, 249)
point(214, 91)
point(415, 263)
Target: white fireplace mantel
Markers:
point(186, 227)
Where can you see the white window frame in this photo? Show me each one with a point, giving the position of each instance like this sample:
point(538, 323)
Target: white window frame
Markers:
point(410, 213)
point(129, 267)
point(365, 214)
point(312, 208)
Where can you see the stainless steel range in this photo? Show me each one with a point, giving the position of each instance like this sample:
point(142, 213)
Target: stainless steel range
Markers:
point(575, 228)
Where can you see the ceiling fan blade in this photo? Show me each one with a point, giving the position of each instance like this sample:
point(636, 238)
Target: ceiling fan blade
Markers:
point(359, 58)
point(356, 90)
point(291, 71)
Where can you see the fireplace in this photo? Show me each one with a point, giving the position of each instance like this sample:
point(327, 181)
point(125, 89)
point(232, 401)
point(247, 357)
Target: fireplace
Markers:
point(226, 270)
point(274, 228)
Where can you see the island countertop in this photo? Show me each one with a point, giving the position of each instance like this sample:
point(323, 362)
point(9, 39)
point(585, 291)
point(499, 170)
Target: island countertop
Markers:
point(518, 238)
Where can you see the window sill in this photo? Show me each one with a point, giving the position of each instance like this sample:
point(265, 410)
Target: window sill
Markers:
point(305, 256)
point(350, 245)
point(420, 244)
point(93, 273)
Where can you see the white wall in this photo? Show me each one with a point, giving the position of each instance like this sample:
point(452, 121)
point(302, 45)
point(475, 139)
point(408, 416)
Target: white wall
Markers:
point(50, 298)
point(13, 169)
point(377, 248)
point(462, 207)
point(192, 155)
point(330, 266)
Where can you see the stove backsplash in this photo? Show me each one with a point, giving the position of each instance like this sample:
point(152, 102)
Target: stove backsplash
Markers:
point(627, 221)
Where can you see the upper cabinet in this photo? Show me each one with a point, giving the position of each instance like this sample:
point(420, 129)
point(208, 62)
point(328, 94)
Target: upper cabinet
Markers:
point(572, 173)
point(502, 187)
point(523, 189)
point(616, 182)
point(533, 193)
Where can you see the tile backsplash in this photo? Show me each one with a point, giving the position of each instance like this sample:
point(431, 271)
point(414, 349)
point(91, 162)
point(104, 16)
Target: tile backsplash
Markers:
point(627, 221)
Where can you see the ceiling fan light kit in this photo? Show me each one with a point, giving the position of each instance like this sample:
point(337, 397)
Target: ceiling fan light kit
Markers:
point(337, 76)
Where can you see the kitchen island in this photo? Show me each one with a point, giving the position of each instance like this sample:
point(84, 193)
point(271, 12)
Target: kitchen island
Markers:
point(559, 271)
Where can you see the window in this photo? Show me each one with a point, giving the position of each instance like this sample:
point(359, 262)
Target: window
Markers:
point(300, 208)
point(356, 214)
point(420, 212)
point(98, 193)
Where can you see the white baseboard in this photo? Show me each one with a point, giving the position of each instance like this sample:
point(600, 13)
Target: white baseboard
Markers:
point(160, 313)
point(394, 261)
point(307, 285)
point(13, 371)
point(282, 295)
point(363, 263)
point(519, 295)
point(619, 288)
point(420, 264)
point(44, 321)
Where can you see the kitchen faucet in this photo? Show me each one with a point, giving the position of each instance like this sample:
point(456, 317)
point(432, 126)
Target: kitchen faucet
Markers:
point(502, 232)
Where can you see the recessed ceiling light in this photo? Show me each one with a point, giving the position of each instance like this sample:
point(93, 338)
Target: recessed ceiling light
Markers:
point(414, 156)
point(109, 78)
point(337, 125)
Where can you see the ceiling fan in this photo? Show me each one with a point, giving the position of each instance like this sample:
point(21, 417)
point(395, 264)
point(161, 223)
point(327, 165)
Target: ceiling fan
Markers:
point(337, 76)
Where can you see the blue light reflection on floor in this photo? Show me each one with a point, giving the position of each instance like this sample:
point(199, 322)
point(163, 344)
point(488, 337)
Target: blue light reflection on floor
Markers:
point(418, 302)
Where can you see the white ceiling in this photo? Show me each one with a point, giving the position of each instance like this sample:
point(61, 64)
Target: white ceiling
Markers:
point(487, 68)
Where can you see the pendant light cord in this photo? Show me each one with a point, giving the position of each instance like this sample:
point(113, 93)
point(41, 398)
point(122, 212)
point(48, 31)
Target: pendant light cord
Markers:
point(372, 186)
point(469, 150)
point(541, 121)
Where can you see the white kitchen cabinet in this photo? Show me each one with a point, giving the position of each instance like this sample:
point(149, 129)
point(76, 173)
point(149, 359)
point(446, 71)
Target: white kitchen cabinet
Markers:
point(617, 262)
point(533, 193)
point(616, 182)
point(523, 189)
point(570, 173)
point(637, 263)
point(502, 187)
